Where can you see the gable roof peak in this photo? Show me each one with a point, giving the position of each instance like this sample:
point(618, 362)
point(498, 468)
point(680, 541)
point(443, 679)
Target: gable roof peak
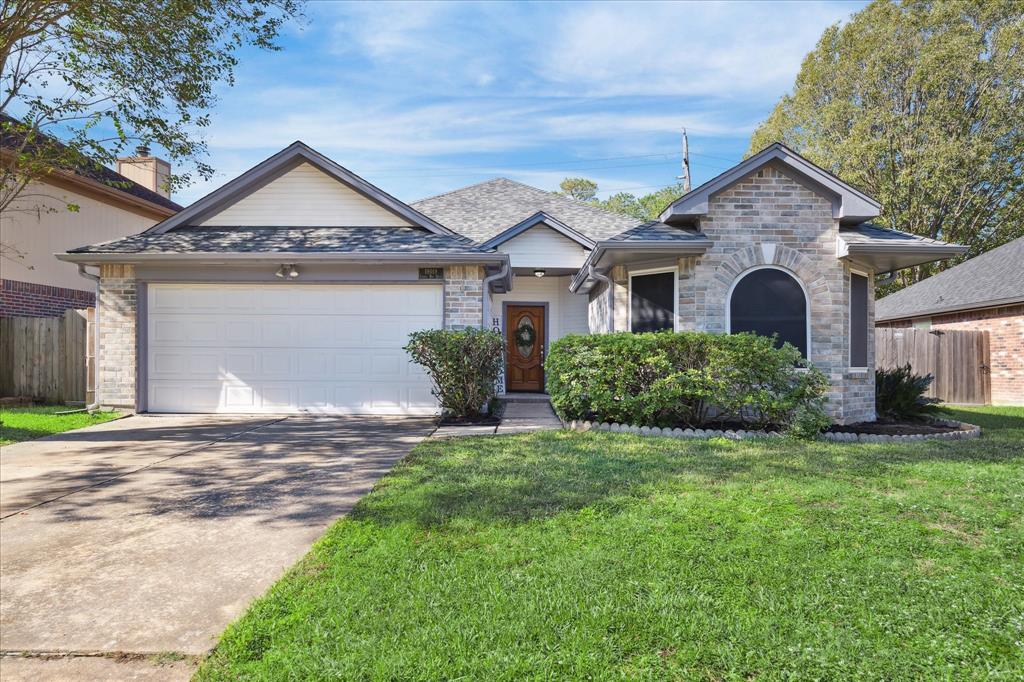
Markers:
point(849, 205)
point(277, 165)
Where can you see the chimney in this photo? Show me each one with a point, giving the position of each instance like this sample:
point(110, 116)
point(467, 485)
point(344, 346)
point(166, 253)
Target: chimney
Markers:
point(147, 170)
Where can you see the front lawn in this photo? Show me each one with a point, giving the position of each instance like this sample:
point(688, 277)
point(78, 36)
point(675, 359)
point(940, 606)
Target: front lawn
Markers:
point(27, 423)
point(608, 556)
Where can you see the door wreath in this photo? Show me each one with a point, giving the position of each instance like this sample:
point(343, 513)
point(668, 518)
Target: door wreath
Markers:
point(525, 335)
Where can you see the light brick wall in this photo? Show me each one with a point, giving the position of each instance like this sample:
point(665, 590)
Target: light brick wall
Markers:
point(770, 219)
point(463, 296)
point(1005, 326)
point(116, 380)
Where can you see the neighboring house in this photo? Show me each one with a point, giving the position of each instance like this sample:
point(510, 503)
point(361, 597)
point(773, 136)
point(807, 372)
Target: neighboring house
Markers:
point(38, 224)
point(983, 293)
point(294, 286)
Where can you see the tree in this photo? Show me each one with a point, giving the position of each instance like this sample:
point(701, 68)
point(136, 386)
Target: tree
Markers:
point(105, 75)
point(644, 208)
point(921, 105)
point(579, 189)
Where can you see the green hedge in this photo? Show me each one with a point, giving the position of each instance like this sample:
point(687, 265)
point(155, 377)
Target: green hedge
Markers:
point(685, 379)
point(464, 366)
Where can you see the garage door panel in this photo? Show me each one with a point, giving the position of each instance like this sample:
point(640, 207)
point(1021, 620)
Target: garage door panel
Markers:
point(287, 348)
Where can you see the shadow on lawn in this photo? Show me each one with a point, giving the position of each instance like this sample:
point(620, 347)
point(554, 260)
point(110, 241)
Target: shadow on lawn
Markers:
point(516, 479)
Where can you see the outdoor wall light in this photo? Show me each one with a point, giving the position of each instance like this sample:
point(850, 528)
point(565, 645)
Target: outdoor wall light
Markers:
point(539, 273)
point(287, 270)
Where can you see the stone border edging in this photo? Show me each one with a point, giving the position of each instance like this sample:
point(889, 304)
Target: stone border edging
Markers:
point(738, 434)
point(965, 431)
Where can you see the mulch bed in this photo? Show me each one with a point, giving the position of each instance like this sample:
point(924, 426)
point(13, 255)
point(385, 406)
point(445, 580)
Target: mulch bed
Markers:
point(887, 428)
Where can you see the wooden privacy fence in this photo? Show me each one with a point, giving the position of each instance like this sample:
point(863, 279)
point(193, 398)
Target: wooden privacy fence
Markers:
point(959, 360)
point(47, 358)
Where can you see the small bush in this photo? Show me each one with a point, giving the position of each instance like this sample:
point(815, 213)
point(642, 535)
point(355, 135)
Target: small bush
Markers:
point(899, 395)
point(684, 379)
point(464, 365)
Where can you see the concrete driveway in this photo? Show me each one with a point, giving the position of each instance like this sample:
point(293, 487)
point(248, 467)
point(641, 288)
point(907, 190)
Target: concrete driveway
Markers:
point(151, 533)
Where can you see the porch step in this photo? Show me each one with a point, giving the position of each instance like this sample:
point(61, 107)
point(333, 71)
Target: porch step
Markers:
point(525, 397)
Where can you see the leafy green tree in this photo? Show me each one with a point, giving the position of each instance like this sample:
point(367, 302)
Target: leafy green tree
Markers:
point(921, 105)
point(579, 189)
point(107, 75)
point(644, 208)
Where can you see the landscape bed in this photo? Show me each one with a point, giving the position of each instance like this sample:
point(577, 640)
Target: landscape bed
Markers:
point(563, 555)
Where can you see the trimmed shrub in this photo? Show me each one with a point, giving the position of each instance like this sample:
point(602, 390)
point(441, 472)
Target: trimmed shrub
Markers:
point(683, 379)
point(464, 364)
point(899, 394)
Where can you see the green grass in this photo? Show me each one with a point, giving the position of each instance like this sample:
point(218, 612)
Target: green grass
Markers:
point(27, 423)
point(608, 556)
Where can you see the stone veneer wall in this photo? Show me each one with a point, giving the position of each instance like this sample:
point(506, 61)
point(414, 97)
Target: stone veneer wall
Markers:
point(117, 370)
point(770, 219)
point(463, 296)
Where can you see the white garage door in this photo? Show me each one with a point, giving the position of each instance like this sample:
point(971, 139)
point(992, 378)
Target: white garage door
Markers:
point(287, 348)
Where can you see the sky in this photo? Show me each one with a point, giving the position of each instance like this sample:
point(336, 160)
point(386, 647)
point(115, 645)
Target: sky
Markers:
point(422, 98)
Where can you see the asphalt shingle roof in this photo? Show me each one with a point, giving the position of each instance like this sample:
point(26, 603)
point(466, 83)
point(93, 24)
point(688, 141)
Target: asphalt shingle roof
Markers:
point(993, 278)
point(93, 170)
point(286, 240)
point(656, 232)
point(867, 233)
point(489, 208)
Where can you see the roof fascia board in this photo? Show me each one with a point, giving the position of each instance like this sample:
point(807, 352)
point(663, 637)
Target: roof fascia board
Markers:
point(692, 246)
point(285, 257)
point(271, 168)
point(536, 219)
point(853, 204)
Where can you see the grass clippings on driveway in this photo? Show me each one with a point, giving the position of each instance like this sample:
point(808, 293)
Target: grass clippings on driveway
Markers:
point(28, 423)
point(566, 555)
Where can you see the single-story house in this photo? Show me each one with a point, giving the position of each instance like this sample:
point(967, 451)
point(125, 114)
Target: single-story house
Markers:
point(983, 293)
point(294, 286)
point(38, 222)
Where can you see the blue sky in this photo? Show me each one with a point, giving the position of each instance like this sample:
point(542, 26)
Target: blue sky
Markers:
point(420, 98)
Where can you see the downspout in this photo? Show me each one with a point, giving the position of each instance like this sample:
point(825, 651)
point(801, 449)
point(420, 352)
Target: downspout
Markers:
point(96, 339)
point(500, 274)
point(592, 272)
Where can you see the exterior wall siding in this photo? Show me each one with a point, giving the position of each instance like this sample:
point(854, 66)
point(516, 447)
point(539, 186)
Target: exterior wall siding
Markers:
point(25, 299)
point(542, 247)
point(1005, 326)
point(567, 312)
point(118, 361)
point(38, 224)
point(305, 197)
point(768, 218)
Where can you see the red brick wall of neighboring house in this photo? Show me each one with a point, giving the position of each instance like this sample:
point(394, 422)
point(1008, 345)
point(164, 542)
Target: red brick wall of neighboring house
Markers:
point(24, 299)
point(1006, 345)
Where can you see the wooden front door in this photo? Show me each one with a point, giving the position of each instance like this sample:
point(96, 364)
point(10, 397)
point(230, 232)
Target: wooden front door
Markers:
point(524, 341)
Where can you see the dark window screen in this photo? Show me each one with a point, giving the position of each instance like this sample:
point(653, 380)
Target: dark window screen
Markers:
point(769, 302)
point(858, 321)
point(651, 302)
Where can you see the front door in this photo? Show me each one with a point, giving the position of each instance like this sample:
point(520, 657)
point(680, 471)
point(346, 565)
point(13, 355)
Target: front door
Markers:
point(524, 330)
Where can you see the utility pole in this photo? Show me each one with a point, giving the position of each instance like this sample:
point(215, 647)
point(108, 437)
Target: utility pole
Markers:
point(685, 177)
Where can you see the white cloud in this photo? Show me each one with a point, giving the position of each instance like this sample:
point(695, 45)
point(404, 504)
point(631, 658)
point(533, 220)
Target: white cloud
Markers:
point(720, 49)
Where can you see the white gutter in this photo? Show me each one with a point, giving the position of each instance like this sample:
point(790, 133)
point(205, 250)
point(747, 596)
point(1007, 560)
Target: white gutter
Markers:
point(500, 274)
point(96, 340)
point(284, 257)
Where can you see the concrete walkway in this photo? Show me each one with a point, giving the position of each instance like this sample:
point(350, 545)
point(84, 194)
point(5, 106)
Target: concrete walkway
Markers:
point(150, 534)
point(524, 417)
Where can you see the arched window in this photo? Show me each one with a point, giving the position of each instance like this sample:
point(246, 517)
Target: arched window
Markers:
point(770, 301)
